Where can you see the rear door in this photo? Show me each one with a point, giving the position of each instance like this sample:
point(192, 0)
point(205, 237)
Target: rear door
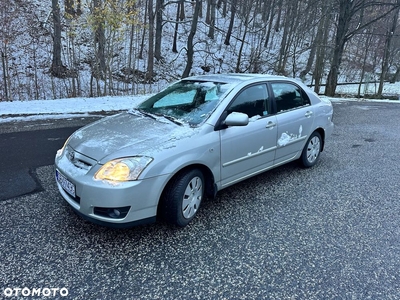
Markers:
point(295, 118)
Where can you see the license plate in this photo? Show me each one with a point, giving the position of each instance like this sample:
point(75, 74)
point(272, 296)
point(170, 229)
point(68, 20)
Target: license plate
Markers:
point(67, 185)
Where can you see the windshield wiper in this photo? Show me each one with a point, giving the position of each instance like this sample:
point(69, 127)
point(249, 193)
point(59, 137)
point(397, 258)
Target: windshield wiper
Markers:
point(172, 119)
point(155, 116)
point(142, 112)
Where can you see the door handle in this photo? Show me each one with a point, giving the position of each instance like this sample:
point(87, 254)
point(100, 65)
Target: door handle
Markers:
point(270, 124)
point(308, 114)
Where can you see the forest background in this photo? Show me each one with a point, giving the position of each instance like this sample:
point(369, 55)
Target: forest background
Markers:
point(69, 48)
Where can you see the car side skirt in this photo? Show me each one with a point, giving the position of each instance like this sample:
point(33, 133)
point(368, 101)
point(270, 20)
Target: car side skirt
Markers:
point(296, 156)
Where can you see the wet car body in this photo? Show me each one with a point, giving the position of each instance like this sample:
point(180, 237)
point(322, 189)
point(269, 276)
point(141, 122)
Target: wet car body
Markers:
point(175, 150)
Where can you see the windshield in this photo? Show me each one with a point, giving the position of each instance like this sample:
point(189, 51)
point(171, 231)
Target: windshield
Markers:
point(187, 101)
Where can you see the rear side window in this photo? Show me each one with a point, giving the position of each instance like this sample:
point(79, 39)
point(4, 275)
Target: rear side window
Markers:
point(288, 96)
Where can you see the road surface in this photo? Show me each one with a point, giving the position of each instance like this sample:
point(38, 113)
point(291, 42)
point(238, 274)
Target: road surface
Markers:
point(329, 232)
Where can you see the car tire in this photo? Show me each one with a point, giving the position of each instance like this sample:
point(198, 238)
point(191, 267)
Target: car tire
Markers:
point(312, 150)
point(182, 197)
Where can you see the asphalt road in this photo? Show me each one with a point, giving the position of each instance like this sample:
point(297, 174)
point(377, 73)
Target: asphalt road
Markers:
point(330, 232)
point(24, 146)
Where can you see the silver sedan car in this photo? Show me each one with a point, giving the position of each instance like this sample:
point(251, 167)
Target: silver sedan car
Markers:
point(196, 137)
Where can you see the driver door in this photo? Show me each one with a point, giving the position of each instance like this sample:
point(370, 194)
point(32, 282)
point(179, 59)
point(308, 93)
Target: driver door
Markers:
point(248, 150)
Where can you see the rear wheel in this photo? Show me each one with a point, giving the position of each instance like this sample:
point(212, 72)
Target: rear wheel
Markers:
point(182, 197)
point(311, 151)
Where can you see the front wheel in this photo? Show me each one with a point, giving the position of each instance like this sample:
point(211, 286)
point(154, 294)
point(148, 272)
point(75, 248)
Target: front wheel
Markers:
point(182, 197)
point(311, 151)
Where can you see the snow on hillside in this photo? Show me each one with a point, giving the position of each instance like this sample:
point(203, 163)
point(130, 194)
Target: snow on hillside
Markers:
point(81, 106)
point(30, 56)
point(30, 53)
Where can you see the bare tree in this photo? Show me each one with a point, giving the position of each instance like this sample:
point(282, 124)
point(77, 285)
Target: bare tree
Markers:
point(99, 40)
point(8, 14)
point(224, 5)
point(145, 20)
point(246, 10)
point(290, 19)
point(179, 6)
point(193, 29)
point(3, 64)
point(322, 15)
point(268, 11)
point(351, 21)
point(321, 52)
point(279, 16)
point(231, 22)
point(150, 56)
point(159, 26)
point(388, 43)
point(57, 68)
point(212, 19)
point(367, 41)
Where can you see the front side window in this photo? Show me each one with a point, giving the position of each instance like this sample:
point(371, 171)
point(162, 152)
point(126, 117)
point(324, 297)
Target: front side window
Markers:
point(252, 101)
point(187, 101)
point(288, 96)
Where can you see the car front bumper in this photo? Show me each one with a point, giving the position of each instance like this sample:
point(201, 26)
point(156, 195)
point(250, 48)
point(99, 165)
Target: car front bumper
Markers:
point(122, 204)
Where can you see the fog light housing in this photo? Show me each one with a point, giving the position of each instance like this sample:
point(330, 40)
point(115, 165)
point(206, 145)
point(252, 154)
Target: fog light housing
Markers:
point(112, 212)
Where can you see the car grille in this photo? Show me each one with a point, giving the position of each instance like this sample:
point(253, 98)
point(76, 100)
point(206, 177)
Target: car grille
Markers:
point(78, 160)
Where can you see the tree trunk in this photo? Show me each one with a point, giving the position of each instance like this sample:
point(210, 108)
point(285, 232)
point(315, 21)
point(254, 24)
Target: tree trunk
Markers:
point(345, 16)
point(140, 55)
point(174, 47)
point(271, 19)
point(182, 15)
point(224, 7)
point(150, 58)
point(321, 54)
point(159, 11)
point(278, 20)
point(190, 50)
point(320, 37)
point(208, 12)
point(232, 20)
point(246, 27)
point(100, 42)
point(396, 76)
point(287, 32)
point(57, 68)
point(365, 57)
point(3, 63)
point(130, 55)
point(212, 19)
point(388, 44)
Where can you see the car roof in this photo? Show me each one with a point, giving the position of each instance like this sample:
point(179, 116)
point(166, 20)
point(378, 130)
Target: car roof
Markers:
point(233, 77)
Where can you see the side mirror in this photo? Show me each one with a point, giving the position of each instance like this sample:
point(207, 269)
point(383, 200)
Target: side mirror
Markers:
point(236, 119)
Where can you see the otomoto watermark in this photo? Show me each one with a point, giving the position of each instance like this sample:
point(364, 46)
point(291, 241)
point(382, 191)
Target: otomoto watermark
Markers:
point(35, 292)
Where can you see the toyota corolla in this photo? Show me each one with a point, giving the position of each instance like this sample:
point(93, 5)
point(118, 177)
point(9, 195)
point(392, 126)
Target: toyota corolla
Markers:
point(196, 137)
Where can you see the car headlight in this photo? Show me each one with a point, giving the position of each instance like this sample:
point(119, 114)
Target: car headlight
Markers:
point(123, 169)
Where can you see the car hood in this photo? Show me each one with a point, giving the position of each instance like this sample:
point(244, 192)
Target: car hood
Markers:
point(129, 133)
